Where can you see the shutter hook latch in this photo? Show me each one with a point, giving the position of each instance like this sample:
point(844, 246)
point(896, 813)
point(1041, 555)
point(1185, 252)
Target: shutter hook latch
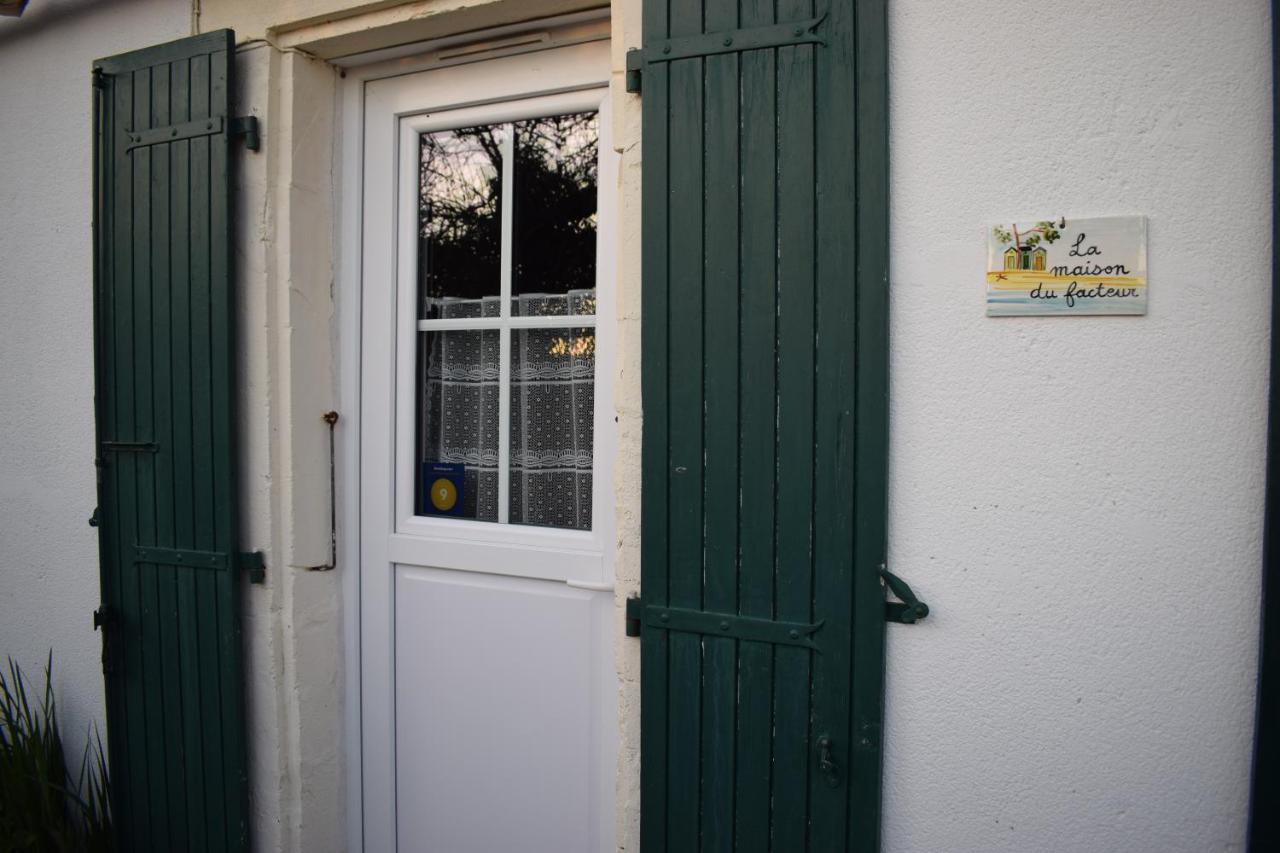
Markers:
point(909, 609)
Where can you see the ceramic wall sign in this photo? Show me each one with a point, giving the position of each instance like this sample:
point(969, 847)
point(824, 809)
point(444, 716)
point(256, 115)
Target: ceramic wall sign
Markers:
point(1067, 266)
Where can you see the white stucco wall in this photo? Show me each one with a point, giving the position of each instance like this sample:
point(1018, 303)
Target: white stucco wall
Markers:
point(48, 552)
point(1079, 499)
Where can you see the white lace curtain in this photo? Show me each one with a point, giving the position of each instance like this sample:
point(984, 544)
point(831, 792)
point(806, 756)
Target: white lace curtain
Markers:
point(552, 407)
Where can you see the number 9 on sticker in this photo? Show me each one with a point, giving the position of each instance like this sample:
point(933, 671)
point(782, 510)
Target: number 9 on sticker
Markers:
point(445, 485)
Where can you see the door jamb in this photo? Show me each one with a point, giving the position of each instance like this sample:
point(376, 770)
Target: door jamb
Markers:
point(349, 151)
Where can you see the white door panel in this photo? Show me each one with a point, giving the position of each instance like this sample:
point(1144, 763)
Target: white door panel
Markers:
point(487, 685)
point(496, 680)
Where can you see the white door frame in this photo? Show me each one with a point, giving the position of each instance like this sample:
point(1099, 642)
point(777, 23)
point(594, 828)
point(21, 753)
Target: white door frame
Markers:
point(370, 756)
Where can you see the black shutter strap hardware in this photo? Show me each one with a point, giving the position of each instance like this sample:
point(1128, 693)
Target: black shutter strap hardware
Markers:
point(710, 623)
point(251, 562)
point(910, 609)
point(131, 446)
point(246, 126)
point(110, 447)
point(729, 41)
point(174, 132)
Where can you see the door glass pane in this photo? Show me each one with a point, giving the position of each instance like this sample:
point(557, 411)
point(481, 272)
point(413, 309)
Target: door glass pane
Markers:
point(552, 406)
point(460, 222)
point(554, 215)
point(457, 441)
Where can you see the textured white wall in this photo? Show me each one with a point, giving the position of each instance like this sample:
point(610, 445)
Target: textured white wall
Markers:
point(1079, 498)
point(48, 552)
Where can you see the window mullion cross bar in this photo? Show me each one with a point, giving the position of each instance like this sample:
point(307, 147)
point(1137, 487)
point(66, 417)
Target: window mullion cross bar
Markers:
point(504, 346)
point(530, 321)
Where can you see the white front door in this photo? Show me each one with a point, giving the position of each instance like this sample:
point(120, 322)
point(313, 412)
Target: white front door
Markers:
point(488, 693)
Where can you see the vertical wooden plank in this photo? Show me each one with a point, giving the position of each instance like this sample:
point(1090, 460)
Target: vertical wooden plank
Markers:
point(685, 321)
point(180, 312)
point(152, 697)
point(202, 414)
point(655, 373)
point(757, 433)
point(796, 461)
point(834, 433)
point(872, 423)
point(104, 169)
point(140, 467)
point(223, 518)
point(168, 648)
point(161, 332)
point(119, 513)
point(199, 385)
point(217, 833)
point(180, 428)
point(720, 429)
point(221, 363)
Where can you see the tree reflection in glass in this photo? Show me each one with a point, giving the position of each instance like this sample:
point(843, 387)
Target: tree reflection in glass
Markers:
point(547, 168)
point(554, 228)
point(460, 234)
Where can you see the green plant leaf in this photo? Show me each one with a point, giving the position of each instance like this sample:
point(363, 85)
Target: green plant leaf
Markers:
point(40, 810)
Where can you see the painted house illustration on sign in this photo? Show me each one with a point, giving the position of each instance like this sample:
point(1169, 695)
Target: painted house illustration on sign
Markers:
point(1025, 258)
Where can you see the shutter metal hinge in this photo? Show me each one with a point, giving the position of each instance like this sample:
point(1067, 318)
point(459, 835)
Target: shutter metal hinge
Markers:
point(247, 126)
point(635, 613)
point(910, 609)
point(103, 616)
point(107, 620)
point(254, 564)
point(728, 41)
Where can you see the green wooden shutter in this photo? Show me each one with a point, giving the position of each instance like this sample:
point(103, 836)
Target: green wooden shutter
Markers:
point(765, 423)
point(167, 488)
